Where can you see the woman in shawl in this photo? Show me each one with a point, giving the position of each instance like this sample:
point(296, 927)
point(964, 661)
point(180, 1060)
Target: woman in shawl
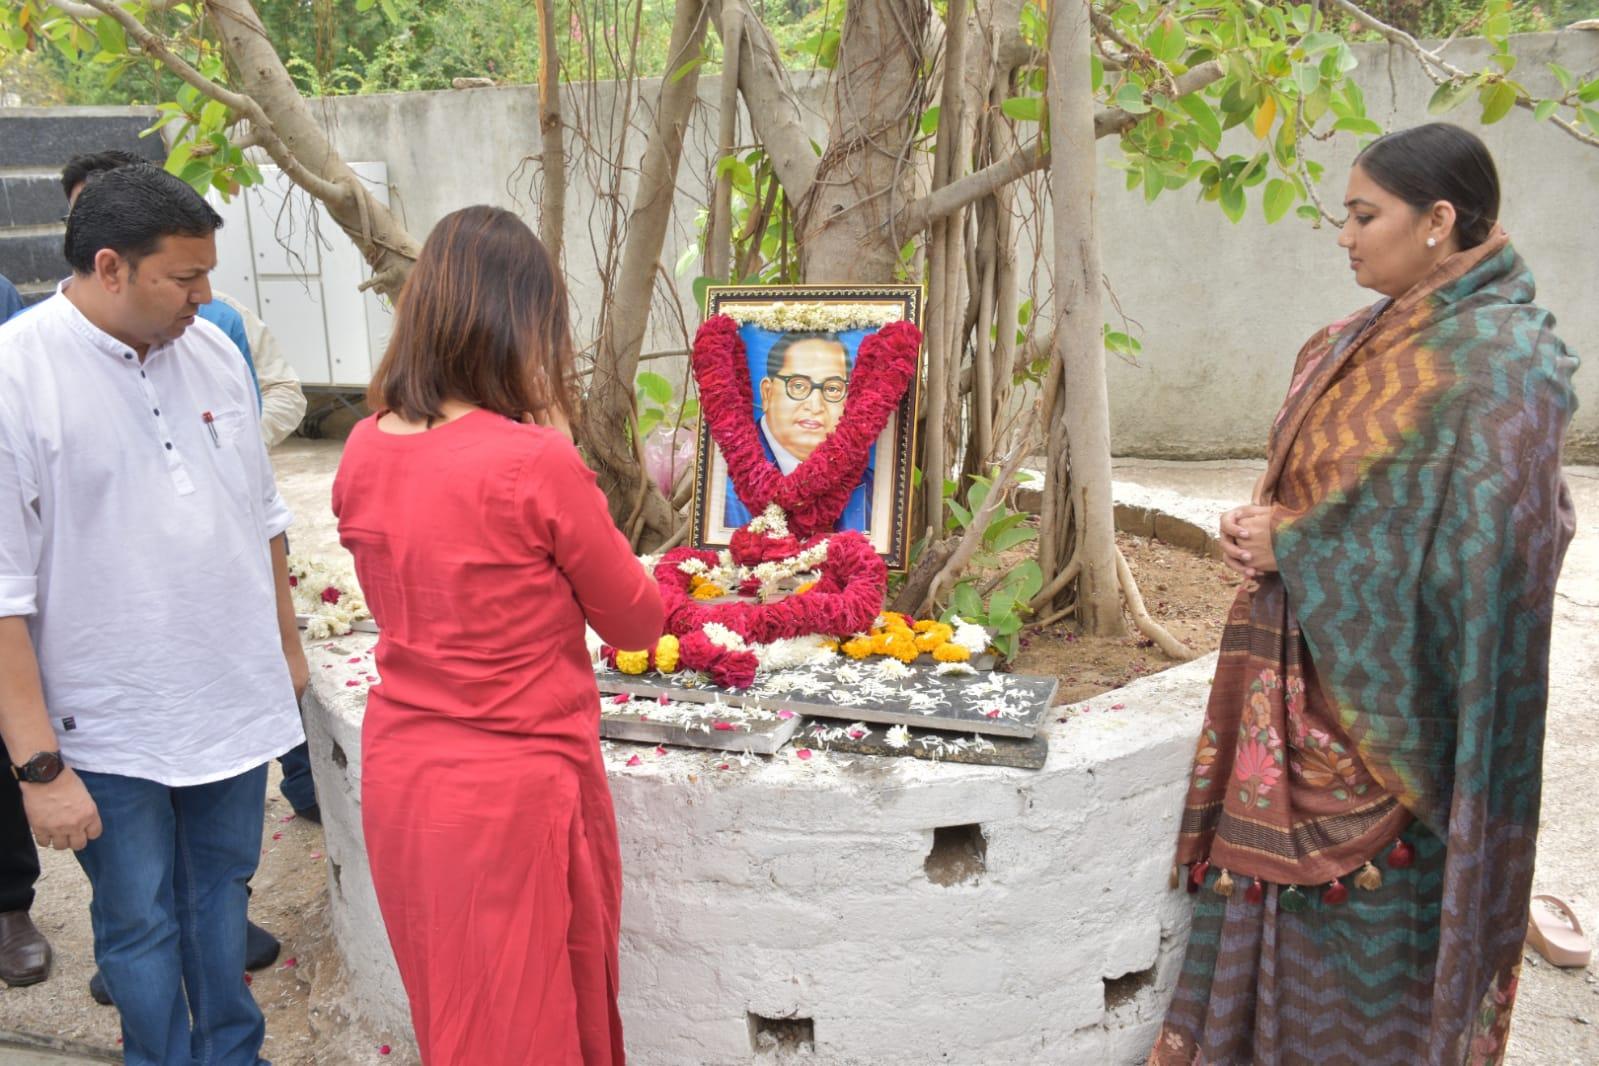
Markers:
point(1361, 815)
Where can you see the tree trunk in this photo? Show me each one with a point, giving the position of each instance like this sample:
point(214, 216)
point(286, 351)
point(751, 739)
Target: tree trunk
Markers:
point(1079, 428)
point(296, 142)
point(864, 176)
point(552, 162)
point(608, 414)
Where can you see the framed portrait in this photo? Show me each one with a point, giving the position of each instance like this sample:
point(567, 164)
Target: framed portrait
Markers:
point(801, 343)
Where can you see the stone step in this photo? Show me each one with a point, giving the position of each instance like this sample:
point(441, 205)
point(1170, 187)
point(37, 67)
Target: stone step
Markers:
point(32, 260)
point(31, 199)
point(44, 138)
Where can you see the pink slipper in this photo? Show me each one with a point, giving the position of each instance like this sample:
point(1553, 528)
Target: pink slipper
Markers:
point(1556, 934)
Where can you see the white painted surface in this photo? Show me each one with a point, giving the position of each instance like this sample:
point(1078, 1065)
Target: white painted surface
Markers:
point(278, 254)
point(785, 887)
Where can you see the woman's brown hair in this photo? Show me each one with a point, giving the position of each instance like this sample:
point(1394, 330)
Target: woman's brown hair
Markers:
point(482, 319)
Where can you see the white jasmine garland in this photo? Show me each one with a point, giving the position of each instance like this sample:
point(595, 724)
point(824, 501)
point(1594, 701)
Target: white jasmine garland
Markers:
point(782, 316)
point(893, 669)
point(724, 637)
point(323, 619)
point(771, 522)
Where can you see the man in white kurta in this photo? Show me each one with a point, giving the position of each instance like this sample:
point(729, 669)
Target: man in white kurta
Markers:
point(149, 661)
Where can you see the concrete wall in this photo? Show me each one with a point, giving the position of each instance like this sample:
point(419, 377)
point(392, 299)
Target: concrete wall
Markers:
point(1221, 308)
point(785, 889)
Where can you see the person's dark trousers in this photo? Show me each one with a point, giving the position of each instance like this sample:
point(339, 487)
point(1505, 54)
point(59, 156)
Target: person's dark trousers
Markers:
point(19, 857)
point(169, 875)
point(297, 786)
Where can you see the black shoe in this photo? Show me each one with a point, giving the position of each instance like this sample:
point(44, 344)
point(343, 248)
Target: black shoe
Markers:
point(260, 948)
point(97, 989)
point(312, 813)
point(24, 952)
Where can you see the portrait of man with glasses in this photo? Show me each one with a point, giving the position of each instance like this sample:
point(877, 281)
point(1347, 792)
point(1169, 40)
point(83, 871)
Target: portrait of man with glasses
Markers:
point(799, 401)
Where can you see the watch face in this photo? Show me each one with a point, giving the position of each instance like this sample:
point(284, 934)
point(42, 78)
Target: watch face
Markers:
point(42, 768)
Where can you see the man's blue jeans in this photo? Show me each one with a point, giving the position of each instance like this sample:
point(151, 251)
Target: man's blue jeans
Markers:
point(297, 786)
point(169, 874)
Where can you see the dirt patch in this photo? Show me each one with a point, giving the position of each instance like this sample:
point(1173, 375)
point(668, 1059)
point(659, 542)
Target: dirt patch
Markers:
point(1186, 593)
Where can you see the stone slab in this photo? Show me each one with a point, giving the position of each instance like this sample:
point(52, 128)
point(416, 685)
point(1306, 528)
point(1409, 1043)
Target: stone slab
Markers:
point(35, 258)
point(31, 200)
point(47, 137)
point(692, 724)
point(861, 738)
point(917, 695)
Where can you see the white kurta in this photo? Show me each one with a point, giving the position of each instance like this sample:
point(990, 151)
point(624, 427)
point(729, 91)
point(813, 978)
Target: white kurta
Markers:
point(136, 541)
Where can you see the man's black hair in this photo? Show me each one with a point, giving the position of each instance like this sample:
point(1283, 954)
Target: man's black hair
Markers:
point(129, 210)
point(79, 167)
point(779, 350)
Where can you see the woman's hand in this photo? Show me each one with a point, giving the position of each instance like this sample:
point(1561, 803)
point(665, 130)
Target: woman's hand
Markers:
point(1246, 541)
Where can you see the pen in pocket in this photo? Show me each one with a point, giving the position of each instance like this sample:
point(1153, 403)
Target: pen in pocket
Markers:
point(211, 424)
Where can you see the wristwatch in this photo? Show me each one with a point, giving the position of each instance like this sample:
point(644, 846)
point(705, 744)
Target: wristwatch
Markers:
point(43, 768)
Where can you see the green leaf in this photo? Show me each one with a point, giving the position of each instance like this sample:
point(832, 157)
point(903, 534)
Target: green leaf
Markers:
point(1005, 624)
point(977, 494)
point(929, 121)
point(1497, 100)
point(1206, 124)
point(1024, 108)
point(1307, 211)
point(1027, 580)
point(1130, 98)
point(1012, 537)
point(1308, 77)
point(966, 602)
point(1447, 96)
point(213, 115)
point(1358, 124)
point(655, 387)
point(962, 515)
point(1232, 200)
point(701, 284)
point(1564, 76)
point(111, 36)
point(1589, 92)
point(1544, 109)
point(1000, 603)
point(1000, 525)
point(685, 70)
point(1280, 196)
point(1168, 42)
point(179, 157)
point(1590, 117)
point(1098, 69)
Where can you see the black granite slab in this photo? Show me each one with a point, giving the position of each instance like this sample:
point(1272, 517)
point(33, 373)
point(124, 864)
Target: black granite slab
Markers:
point(861, 738)
point(696, 725)
point(992, 704)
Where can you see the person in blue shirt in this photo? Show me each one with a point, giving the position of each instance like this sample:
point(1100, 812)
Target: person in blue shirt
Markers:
point(10, 299)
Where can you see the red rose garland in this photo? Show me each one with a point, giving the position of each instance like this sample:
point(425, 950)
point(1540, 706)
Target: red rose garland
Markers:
point(847, 598)
point(814, 495)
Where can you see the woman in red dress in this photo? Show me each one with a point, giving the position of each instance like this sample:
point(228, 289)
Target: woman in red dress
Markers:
point(483, 545)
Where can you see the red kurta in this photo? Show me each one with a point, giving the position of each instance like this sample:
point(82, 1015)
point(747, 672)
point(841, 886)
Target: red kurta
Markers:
point(482, 545)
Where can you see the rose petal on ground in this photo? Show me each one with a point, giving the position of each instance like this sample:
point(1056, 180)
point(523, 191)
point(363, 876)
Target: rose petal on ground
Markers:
point(620, 697)
point(785, 715)
point(725, 727)
point(635, 761)
point(804, 754)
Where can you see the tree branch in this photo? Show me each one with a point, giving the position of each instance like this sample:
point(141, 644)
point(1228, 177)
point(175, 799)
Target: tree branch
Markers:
point(1440, 70)
point(1170, 645)
point(772, 102)
point(921, 213)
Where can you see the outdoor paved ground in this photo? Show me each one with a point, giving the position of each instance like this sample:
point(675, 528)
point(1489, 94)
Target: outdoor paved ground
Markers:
point(1557, 1014)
